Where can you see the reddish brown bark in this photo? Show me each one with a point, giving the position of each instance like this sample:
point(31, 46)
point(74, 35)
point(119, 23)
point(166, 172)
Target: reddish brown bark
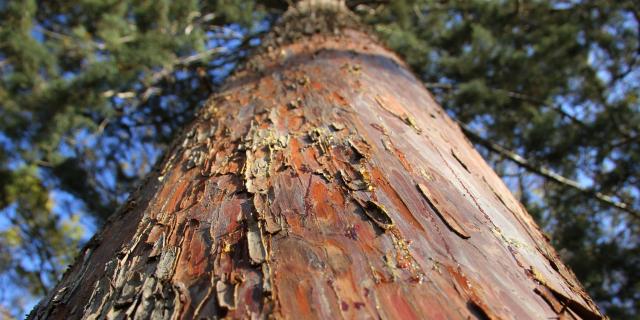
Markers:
point(322, 182)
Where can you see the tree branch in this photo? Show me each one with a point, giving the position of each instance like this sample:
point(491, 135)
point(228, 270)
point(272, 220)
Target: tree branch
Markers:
point(546, 172)
point(524, 97)
point(514, 95)
point(150, 89)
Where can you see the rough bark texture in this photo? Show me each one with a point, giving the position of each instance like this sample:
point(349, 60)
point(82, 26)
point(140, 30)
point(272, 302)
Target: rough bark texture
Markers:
point(323, 182)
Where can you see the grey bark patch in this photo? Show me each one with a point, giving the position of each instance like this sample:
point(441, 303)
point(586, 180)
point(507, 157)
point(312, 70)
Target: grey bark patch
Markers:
point(255, 241)
point(130, 290)
point(267, 286)
point(165, 264)
point(227, 294)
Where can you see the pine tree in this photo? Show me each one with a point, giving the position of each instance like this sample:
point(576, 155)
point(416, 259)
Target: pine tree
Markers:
point(323, 180)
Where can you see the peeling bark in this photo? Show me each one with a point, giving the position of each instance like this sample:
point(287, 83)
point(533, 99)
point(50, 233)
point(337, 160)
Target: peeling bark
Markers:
point(322, 182)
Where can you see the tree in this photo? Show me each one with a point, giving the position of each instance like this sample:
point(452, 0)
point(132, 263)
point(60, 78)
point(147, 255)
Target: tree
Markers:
point(91, 93)
point(322, 180)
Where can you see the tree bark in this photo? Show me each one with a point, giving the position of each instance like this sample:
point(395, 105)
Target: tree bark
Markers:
point(322, 182)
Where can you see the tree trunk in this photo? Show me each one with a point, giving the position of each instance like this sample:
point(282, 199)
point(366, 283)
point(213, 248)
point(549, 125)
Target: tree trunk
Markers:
point(324, 181)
